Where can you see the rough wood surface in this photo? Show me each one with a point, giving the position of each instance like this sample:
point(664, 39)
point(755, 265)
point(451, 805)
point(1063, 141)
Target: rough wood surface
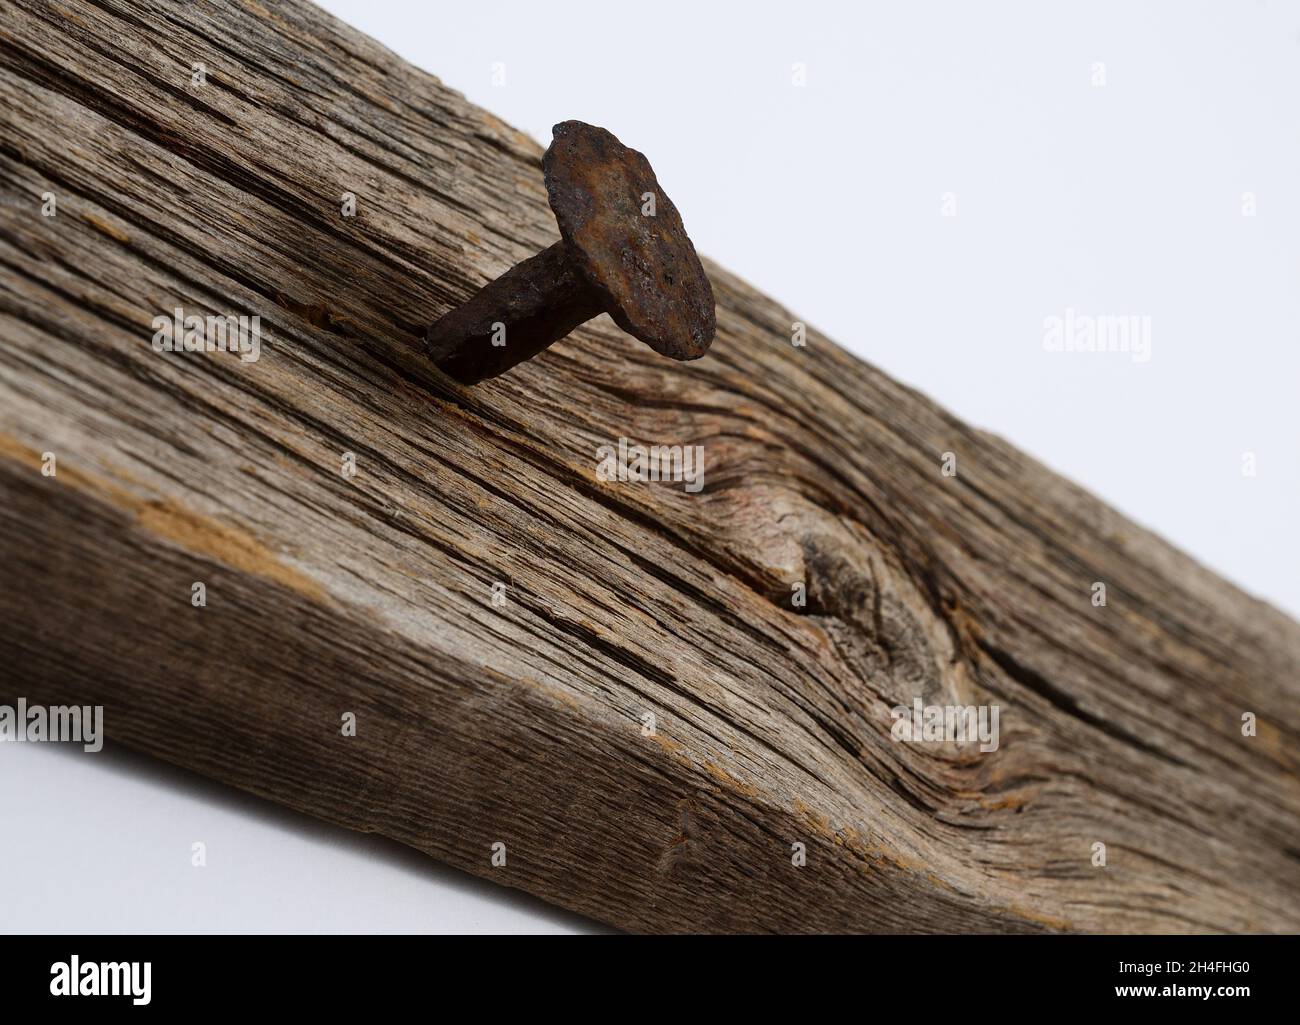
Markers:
point(522, 724)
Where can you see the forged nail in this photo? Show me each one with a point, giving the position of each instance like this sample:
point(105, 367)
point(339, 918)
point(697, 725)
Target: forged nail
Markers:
point(613, 257)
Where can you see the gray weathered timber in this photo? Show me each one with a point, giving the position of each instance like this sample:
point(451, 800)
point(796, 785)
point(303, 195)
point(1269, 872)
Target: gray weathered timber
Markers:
point(522, 724)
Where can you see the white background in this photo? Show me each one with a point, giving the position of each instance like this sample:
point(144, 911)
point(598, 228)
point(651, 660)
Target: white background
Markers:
point(1125, 198)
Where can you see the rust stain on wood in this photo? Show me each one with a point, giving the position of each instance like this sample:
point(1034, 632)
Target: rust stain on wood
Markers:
point(172, 522)
point(104, 228)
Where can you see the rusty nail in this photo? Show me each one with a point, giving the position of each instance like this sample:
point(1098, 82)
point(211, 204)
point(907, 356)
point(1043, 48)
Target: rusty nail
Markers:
point(612, 258)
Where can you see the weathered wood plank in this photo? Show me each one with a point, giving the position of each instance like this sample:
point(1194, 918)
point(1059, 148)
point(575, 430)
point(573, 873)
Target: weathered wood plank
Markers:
point(523, 723)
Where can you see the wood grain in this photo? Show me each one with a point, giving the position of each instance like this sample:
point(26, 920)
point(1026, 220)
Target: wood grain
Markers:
point(522, 724)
